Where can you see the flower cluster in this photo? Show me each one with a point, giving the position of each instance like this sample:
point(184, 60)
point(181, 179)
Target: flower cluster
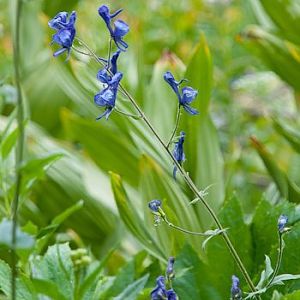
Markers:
point(160, 292)
point(65, 31)
point(178, 152)
point(120, 27)
point(186, 96)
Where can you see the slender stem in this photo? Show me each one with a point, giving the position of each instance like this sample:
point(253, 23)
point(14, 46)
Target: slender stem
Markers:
point(176, 126)
point(127, 114)
point(279, 259)
point(184, 230)
point(20, 146)
point(109, 53)
point(189, 182)
point(81, 52)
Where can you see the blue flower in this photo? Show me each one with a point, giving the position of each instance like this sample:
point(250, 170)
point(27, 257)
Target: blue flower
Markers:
point(65, 31)
point(282, 221)
point(178, 152)
point(154, 205)
point(107, 97)
point(170, 268)
point(104, 75)
point(186, 96)
point(160, 292)
point(120, 27)
point(236, 293)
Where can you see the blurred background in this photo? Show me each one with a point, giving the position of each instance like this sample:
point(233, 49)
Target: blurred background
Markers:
point(242, 56)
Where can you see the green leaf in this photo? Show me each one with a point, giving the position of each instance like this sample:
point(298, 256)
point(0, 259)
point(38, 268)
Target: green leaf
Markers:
point(132, 220)
point(24, 287)
point(133, 289)
point(278, 280)
point(8, 143)
point(23, 240)
point(288, 190)
point(204, 159)
point(293, 296)
point(88, 285)
point(266, 273)
point(56, 266)
point(46, 233)
point(48, 288)
point(219, 258)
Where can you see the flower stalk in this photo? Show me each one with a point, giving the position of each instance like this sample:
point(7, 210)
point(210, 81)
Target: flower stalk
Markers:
point(185, 176)
point(20, 146)
point(176, 126)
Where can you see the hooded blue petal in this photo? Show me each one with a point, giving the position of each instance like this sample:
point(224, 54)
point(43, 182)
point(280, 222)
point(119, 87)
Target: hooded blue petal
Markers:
point(159, 292)
point(154, 205)
point(178, 152)
point(169, 78)
point(282, 221)
point(236, 292)
point(188, 95)
point(59, 21)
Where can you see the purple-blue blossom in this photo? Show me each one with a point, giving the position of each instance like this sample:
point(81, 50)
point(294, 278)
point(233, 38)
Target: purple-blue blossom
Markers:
point(170, 268)
point(186, 96)
point(120, 28)
point(107, 97)
point(178, 152)
point(282, 221)
point(65, 31)
point(160, 292)
point(105, 75)
point(236, 293)
point(154, 205)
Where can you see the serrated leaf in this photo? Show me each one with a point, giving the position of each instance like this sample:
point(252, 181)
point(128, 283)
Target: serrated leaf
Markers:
point(48, 288)
point(56, 266)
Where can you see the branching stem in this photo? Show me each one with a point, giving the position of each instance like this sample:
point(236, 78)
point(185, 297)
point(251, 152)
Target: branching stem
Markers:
point(188, 180)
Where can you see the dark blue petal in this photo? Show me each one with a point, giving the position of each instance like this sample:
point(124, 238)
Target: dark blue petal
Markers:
point(154, 205)
point(116, 13)
point(113, 62)
point(106, 113)
point(105, 15)
point(171, 295)
point(236, 292)
point(121, 29)
point(103, 76)
point(59, 21)
point(105, 98)
point(72, 19)
point(190, 110)
point(169, 78)
point(120, 44)
point(170, 266)
point(188, 95)
point(159, 292)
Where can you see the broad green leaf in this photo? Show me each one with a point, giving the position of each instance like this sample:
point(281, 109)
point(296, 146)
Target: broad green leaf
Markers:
point(24, 241)
point(132, 220)
point(132, 290)
point(287, 189)
point(24, 287)
point(189, 282)
point(48, 288)
point(219, 258)
point(293, 296)
point(204, 159)
point(56, 266)
point(266, 273)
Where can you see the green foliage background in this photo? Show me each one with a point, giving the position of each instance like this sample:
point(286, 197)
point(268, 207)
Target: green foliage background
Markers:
point(86, 184)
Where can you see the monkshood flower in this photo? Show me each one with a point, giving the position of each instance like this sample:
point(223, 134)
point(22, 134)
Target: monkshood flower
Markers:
point(282, 221)
point(107, 97)
point(236, 293)
point(105, 74)
point(170, 268)
point(65, 31)
point(120, 27)
point(186, 96)
point(154, 205)
point(160, 292)
point(178, 152)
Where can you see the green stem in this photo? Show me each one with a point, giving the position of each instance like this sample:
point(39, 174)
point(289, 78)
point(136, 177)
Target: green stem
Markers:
point(279, 259)
point(184, 230)
point(176, 126)
point(136, 117)
point(189, 182)
point(20, 146)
